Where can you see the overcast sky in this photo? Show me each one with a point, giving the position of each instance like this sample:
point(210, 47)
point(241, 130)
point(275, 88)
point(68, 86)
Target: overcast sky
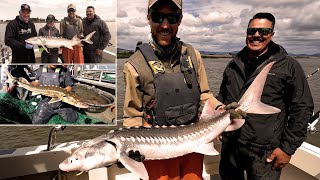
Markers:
point(220, 25)
point(106, 9)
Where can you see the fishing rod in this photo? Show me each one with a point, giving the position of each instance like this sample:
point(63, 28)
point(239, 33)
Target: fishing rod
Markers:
point(53, 136)
point(312, 123)
point(313, 72)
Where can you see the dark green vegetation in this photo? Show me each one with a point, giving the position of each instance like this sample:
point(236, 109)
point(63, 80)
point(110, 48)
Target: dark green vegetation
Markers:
point(15, 111)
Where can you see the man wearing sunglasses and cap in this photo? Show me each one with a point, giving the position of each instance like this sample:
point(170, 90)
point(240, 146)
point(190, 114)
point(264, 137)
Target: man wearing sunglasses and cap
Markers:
point(265, 143)
point(163, 64)
point(17, 31)
point(49, 30)
point(71, 26)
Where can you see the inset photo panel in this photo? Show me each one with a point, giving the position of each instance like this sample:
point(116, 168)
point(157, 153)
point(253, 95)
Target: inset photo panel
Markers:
point(69, 32)
point(58, 94)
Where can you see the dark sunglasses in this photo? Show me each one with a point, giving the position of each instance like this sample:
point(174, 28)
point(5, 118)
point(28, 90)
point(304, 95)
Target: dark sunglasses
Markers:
point(71, 10)
point(262, 31)
point(172, 18)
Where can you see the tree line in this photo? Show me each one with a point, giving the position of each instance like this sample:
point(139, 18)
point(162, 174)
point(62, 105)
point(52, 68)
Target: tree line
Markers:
point(32, 19)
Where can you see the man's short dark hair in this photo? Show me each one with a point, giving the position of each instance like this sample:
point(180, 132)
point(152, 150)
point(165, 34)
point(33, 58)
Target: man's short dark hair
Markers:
point(268, 16)
point(90, 7)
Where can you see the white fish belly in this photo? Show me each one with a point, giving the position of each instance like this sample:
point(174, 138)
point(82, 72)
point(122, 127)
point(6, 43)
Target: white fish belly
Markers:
point(166, 151)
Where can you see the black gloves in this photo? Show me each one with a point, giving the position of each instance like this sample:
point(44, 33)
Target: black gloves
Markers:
point(135, 155)
point(239, 114)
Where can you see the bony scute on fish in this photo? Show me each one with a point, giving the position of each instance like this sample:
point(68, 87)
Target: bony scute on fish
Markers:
point(165, 143)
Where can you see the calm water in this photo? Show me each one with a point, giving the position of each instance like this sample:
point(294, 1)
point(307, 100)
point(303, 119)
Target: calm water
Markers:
point(215, 68)
point(22, 136)
point(111, 25)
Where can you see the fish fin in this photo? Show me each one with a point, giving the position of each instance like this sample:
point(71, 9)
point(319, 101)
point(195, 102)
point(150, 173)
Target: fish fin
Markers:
point(87, 39)
point(235, 124)
point(69, 47)
point(10, 79)
point(250, 102)
point(53, 100)
point(42, 44)
point(75, 38)
point(261, 108)
point(207, 149)
point(209, 110)
point(137, 168)
point(23, 80)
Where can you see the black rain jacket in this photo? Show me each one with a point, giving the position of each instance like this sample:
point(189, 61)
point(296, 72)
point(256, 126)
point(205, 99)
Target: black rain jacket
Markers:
point(16, 33)
point(286, 88)
point(102, 35)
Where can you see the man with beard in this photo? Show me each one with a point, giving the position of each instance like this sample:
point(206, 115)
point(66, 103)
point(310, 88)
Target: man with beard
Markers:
point(265, 143)
point(70, 27)
point(17, 31)
point(93, 52)
point(165, 84)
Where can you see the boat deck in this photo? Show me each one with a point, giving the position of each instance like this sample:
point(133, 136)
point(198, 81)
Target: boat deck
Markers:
point(36, 163)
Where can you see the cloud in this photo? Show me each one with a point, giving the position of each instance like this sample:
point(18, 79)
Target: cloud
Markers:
point(121, 14)
point(138, 22)
point(221, 25)
point(216, 18)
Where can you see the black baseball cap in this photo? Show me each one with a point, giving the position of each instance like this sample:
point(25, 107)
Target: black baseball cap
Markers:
point(50, 17)
point(25, 7)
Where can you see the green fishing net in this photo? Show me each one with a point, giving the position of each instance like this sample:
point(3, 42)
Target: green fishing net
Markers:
point(16, 111)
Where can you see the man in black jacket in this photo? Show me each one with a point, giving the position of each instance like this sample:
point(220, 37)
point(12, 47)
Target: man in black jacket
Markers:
point(17, 31)
point(93, 52)
point(265, 143)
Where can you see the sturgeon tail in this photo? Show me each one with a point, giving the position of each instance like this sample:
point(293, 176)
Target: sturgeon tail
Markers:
point(87, 39)
point(250, 102)
point(12, 79)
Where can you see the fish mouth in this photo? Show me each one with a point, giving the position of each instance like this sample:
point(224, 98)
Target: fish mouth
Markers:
point(70, 164)
point(64, 166)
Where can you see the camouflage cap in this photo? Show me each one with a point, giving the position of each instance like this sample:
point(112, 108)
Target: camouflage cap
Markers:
point(71, 6)
point(25, 7)
point(177, 2)
point(50, 17)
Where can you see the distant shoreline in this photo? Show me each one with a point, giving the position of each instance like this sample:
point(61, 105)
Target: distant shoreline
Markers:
point(45, 22)
point(127, 54)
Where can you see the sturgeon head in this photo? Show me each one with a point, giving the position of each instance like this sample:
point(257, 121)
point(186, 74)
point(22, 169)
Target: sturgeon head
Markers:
point(96, 153)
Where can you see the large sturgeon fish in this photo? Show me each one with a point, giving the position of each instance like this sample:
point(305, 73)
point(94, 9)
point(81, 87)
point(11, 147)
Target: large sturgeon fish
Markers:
point(56, 42)
point(167, 142)
point(57, 93)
